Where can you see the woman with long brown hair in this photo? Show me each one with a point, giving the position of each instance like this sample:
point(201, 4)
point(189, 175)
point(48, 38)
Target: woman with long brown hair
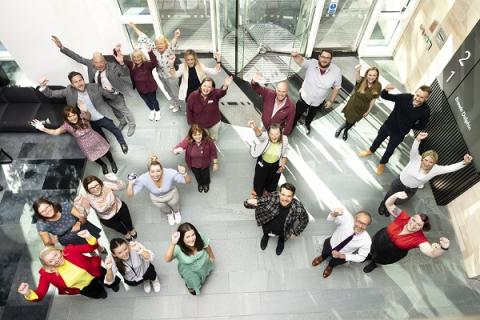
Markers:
point(77, 123)
point(200, 152)
point(367, 90)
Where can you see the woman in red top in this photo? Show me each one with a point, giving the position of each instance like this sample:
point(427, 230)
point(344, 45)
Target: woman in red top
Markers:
point(70, 271)
point(392, 243)
point(202, 105)
point(142, 78)
point(200, 153)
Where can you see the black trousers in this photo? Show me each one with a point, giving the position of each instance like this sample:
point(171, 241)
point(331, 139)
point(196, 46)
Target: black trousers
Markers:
point(202, 175)
point(393, 143)
point(151, 101)
point(150, 275)
point(266, 176)
point(301, 107)
point(107, 124)
point(395, 187)
point(121, 221)
point(327, 252)
point(96, 288)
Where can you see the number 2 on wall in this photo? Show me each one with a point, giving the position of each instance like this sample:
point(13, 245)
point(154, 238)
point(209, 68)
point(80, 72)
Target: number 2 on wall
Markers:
point(460, 61)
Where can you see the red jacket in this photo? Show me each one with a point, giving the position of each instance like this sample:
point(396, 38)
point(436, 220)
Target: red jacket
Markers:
point(204, 112)
point(285, 116)
point(209, 152)
point(73, 254)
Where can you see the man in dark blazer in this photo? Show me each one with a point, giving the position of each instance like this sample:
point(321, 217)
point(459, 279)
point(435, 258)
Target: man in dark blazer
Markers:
point(108, 76)
point(92, 96)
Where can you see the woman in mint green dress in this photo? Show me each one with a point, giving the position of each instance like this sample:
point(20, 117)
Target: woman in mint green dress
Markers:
point(194, 254)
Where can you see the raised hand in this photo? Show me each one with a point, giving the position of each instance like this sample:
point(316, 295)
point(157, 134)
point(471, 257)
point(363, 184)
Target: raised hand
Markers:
point(23, 288)
point(217, 56)
point(108, 263)
point(257, 77)
point(252, 124)
point(401, 195)
point(358, 67)
point(175, 237)
point(177, 33)
point(336, 212)
point(467, 159)
point(444, 242)
point(422, 135)
point(181, 170)
point(57, 42)
point(37, 124)
point(178, 150)
point(43, 82)
point(389, 87)
point(85, 234)
point(134, 245)
point(228, 81)
point(295, 53)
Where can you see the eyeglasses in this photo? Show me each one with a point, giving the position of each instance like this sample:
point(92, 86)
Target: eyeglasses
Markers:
point(95, 187)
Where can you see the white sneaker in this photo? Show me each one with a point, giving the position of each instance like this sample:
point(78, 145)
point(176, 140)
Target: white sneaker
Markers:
point(171, 106)
point(171, 219)
point(178, 217)
point(152, 115)
point(176, 109)
point(421, 186)
point(156, 285)
point(146, 286)
point(157, 115)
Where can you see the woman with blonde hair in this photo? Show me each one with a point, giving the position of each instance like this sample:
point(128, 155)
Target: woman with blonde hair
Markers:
point(161, 183)
point(367, 90)
point(193, 72)
point(419, 170)
point(165, 53)
point(142, 78)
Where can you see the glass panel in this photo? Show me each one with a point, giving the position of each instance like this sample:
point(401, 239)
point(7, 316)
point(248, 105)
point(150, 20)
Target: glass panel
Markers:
point(192, 17)
point(383, 32)
point(395, 6)
point(134, 7)
point(145, 28)
point(15, 74)
point(343, 29)
point(2, 48)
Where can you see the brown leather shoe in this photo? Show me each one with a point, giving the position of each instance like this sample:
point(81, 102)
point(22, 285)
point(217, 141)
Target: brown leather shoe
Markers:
point(317, 261)
point(380, 169)
point(328, 271)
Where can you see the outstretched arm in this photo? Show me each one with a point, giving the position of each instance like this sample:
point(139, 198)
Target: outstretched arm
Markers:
point(53, 132)
point(434, 250)
point(69, 53)
point(297, 57)
point(390, 203)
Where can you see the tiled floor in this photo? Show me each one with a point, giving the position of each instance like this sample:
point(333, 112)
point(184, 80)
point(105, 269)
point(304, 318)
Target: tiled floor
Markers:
point(248, 283)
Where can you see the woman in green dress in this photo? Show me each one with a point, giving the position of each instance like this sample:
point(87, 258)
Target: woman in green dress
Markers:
point(194, 254)
point(367, 90)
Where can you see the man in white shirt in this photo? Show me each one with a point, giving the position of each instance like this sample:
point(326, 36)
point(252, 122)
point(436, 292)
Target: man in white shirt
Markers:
point(349, 242)
point(321, 75)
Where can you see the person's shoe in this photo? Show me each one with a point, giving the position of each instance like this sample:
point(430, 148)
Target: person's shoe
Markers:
point(123, 123)
point(114, 166)
point(177, 217)
point(1, 188)
point(176, 109)
point(115, 287)
point(365, 153)
point(317, 261)
point(280, 246)
point(328, 271)
point(157, 115)
point(370, 267)
point(104, 168)
point(381, 209)
point(124, 148)
point(131, 130)
point(387, 214)
point(338, 131)
point(380, 169)
point(156, 285)
point(264, 241)
point(134, 234)
point(309, 129)
point(152, 116)
point(200, 188)
point(206, 188)
point(192, 291)
point(103, 295)
point(146, 286)
point(345, 135)
point(171, 219)
point(248, 205)
point(171, 106)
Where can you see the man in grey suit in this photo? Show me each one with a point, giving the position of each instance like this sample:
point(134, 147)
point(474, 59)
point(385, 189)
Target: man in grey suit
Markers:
point(108, 76)
point(92, 96)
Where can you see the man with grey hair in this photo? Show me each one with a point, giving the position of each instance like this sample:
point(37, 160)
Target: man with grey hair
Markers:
point(277, 106)
point(350, 240)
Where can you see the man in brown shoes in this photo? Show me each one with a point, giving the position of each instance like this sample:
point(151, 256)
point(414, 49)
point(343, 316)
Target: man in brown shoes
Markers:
point(349, 242)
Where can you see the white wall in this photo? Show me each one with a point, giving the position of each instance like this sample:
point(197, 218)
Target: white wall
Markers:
point(84, 26)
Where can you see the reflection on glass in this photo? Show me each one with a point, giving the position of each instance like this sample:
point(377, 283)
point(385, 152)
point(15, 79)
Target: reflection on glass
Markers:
point(15, 74)
point(343, 30)
point(2, 47)
point(192, 17)
point(146, 28)
point(134, 7)
point(383, 32)
point(395, 6)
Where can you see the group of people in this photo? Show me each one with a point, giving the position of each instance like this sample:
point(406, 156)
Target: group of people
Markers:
point(77, 268)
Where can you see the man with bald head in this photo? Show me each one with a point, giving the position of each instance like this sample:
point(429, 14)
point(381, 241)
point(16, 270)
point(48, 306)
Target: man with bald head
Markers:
point(108, 76)
point(350, 240)
point(277, 106)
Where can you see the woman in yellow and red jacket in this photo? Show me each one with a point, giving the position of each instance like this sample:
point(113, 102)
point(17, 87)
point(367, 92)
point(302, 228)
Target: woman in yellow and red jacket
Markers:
point(70, 271)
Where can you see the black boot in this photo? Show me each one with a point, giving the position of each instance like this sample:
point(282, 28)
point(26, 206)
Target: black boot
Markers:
point(345, 134)
point(114, 166)
point(339, 130)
